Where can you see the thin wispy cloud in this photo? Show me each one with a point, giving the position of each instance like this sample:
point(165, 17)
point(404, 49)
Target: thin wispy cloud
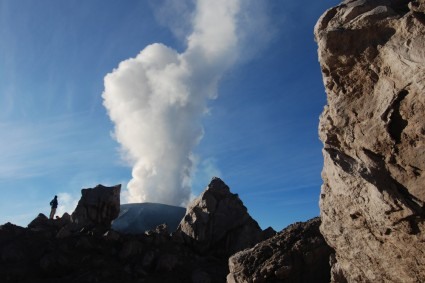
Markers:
point(176, 15)
point(43, 147)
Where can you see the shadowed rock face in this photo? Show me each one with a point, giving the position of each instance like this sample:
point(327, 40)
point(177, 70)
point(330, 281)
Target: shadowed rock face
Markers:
point(36, 255)
point(97, 207)
point(296, 254)
point(217, 221)
point(59, 250)
point(372, 56)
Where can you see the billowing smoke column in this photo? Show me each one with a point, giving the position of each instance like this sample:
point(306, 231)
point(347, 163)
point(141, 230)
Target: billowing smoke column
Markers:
point(157, 100)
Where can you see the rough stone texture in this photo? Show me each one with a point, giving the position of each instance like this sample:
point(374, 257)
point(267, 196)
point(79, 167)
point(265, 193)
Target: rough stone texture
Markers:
point(372, 55)
point(296, 254)
point(34, 256)
point(98, 207)
point(49, 226)
point(60, 250)
point(217, 221)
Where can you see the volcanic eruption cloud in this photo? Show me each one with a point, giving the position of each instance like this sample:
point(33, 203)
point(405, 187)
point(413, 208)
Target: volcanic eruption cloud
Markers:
point(157, 101)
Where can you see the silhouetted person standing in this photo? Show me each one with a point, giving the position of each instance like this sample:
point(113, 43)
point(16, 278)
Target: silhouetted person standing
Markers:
point(54, 205)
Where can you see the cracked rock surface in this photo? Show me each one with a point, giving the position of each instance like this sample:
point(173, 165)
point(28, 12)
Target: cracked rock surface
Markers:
point(372, 56)
point(98, 206)
point(296, 254)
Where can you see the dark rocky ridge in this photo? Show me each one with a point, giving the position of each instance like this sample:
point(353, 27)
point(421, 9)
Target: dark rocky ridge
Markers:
point(55, 251)
point(83, 248)
point(36, 256)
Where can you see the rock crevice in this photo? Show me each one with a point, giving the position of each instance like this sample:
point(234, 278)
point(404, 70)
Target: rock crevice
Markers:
point(372, 201)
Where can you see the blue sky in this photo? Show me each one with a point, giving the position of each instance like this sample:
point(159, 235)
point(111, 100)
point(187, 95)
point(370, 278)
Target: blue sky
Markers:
point(259, 136)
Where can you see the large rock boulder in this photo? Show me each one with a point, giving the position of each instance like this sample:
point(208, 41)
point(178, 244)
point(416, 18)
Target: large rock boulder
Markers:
point(217, 221)
point(296, 254)
point(372, 56)
point(98, 207)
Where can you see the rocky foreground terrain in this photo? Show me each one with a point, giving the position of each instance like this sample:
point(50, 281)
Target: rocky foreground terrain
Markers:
point(82, 247)
point(297, 254)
